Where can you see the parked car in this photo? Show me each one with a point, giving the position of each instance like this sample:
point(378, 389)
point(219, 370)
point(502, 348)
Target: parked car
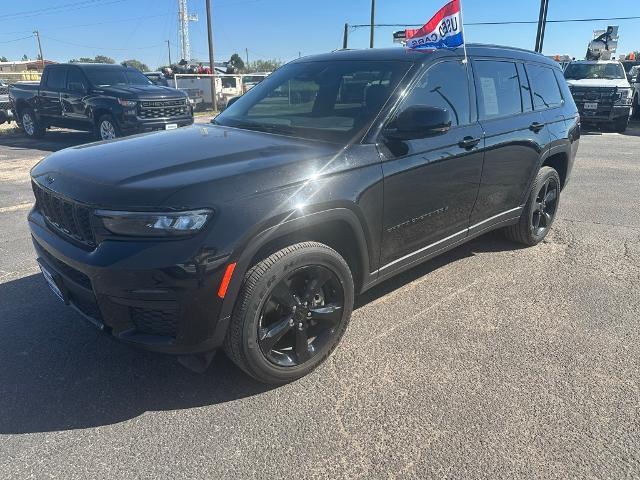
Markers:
point(6, 115)
point(110, 100)
point(601, 92)
point(256, 232)
point(634, 81)
point(196, 96)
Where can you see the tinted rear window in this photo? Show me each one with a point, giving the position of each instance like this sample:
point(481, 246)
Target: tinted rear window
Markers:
point(498, 87)
point(546, 93)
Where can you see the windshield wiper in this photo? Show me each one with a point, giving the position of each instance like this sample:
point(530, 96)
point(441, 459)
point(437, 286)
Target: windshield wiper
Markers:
point(261, 127)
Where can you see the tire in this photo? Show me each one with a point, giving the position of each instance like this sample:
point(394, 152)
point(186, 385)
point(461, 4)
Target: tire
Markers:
point(30, 124)
point(620, 125)
point(525, 231)
point(247, 340)
point(635, 105)
point(107, 128)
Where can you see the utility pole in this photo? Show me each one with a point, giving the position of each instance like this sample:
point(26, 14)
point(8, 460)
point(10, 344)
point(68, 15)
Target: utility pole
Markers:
point(214, 100)
point(37, 34)
point(246, 51)
point(542, 23)
point(373, 21)
point(345, 37)
point(169, 48)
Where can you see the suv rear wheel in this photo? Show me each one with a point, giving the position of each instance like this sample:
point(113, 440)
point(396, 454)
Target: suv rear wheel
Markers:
point(30, 124)
point(292, 311)
point(540, 210)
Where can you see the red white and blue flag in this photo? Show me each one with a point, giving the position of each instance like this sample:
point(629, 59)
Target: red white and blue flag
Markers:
point(444, 30)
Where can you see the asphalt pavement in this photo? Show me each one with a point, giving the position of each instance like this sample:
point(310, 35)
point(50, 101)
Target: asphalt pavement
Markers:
point(491, 361)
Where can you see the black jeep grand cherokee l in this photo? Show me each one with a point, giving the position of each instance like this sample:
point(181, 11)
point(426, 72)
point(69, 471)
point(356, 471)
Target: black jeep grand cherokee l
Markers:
point(338, 171)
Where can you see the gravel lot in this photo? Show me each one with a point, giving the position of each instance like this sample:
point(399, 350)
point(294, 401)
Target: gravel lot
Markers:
point(489, 362)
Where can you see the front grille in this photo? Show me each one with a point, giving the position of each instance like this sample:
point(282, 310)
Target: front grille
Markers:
point(70, 218)
point(88, 307)
point(589, 94)
point(4, 90)
point(163, 108)
point(5, 106)
point(156, 321)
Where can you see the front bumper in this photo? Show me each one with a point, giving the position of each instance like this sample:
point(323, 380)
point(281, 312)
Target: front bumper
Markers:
point(161, 295)
point(133, 124)
point(604, 113)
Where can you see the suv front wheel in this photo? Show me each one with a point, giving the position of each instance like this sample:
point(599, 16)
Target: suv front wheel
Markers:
point(292, 311)
point(540, 210)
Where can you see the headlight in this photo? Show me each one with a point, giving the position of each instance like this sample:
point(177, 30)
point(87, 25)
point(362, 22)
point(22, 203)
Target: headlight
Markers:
point(152, 224)
point(126, 103)
point(624, 95)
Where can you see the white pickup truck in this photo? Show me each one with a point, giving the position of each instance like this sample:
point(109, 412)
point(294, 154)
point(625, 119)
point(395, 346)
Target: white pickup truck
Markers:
point(601, 92)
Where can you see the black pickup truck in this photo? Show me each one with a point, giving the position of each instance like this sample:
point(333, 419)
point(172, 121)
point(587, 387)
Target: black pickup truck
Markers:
point(110, 100)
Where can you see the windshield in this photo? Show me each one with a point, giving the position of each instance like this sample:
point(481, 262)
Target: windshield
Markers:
point(332, 100)
point(580, 71)
point(103, 76)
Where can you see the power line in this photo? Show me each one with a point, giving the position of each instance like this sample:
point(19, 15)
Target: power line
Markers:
point(16, 39)
point(509, 22)
point(59, 9)
point(102, 47)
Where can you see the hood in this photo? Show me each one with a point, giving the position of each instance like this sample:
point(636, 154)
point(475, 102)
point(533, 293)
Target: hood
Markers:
point(141, 92)
point(599, 82)
point(145, 170)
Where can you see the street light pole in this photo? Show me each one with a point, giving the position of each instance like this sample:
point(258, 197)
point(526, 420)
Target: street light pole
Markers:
point(345, 37)
point(542, 23)
point(373, 17)
point(214, 100)
point(37, 34)
point(169, 48)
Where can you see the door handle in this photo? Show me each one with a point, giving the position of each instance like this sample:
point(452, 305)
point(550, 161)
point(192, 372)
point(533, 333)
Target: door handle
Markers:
point(536, 127)
point(65, 95)
point(43, 94)
point(468, 143)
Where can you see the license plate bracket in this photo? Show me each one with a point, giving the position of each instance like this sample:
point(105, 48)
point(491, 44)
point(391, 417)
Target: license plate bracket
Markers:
point(55, 283)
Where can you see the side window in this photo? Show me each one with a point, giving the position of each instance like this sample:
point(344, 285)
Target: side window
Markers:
point(498, 86)
point(546, 93)
point(443, 85)
point(56, 78)
point(525, 89)
point(75, 80)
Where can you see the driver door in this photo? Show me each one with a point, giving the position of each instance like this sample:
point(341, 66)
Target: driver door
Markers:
point(431, 184)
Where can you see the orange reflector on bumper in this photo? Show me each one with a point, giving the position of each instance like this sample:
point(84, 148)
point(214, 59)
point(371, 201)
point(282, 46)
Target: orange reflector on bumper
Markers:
point(224, 284)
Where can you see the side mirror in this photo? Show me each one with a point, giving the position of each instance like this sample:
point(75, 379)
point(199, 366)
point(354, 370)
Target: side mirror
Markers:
point(231, 101)
point(419, 121)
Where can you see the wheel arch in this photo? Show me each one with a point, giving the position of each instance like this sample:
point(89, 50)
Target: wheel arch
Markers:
point(560, 163)
point(339, 228)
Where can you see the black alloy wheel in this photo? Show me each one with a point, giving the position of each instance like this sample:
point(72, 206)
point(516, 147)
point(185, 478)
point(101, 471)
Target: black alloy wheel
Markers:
point(545, 207)
point(300, 316)
point(291, 312)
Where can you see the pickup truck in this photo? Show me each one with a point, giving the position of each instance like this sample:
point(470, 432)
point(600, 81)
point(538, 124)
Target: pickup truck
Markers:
point(601, 91)
point(5, 105)
point(109, 100)
point(634, 80)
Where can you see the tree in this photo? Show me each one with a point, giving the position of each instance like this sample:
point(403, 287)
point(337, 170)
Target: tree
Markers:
point(136, 64)
point(103, 59)
point(24, 57)
point(235, 63)
point(3, 59)
point(264, 65)
point(96, 59)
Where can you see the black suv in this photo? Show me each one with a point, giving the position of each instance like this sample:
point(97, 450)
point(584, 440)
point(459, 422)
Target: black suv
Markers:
point(338, 171)
point(110, 100)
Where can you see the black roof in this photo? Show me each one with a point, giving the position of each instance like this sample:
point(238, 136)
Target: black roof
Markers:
point(414, 56)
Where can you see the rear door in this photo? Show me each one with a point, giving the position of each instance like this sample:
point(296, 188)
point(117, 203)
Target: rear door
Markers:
point(515, 135)
point(73, 107)
point(430, 184)
point(49, 106)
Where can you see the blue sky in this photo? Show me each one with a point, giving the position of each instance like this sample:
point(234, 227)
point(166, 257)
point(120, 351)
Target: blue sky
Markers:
point(281, 29)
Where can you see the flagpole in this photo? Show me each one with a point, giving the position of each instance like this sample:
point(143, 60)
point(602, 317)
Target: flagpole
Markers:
point(464, 37)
